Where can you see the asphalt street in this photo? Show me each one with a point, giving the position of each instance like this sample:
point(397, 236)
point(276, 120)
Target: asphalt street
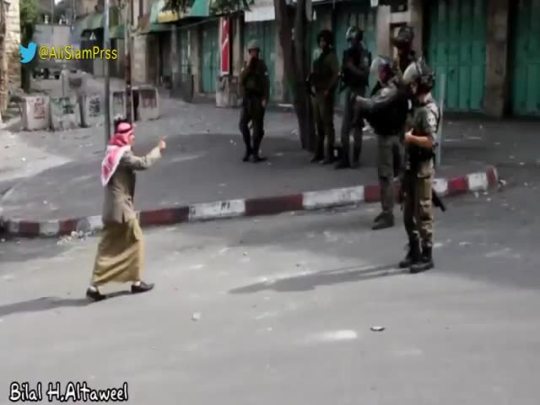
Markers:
point(280, 310)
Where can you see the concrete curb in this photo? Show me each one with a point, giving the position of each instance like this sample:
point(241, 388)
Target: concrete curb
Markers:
point(311, 200)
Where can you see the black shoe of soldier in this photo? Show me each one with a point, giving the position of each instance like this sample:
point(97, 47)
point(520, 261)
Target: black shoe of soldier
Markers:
point(426, 262)
point(317, 159)
point(413, 256)
point(343, 165)
point(246, 157)
point(258, 159)
point(328, 161)
point(386, 221)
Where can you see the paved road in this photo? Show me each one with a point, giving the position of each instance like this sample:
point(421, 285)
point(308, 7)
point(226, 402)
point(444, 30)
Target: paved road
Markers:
point(286, 304)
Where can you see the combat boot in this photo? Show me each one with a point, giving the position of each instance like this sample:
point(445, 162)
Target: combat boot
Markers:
point(413, 255)
point(247, 155)
point(356, 157)
point(383, 222)
point(343, 164)
point(425, 263)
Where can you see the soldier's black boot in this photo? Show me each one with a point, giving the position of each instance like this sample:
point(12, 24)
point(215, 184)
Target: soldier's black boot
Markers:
point(256, 150)
point(383, 221)
point(413, 255)
point(247, 155)
point(343, 163)
point(425, 263)
point(356, 157)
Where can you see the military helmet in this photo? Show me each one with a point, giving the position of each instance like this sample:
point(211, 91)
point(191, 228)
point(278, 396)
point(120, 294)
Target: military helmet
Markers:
point(404, 37)
point(253, 44)
point(420, 73)
point(354, 33)
point(326, 35)
point(381, 63)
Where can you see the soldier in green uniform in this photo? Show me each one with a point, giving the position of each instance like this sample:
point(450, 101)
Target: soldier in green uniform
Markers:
point(420, 143)
point(324, 78)
point(354, 78)
point(254, 89)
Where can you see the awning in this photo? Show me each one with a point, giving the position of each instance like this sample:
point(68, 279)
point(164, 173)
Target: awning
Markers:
point(95, 21)
point(146, 26)
point(158, 15)
point(117, 32)
point(80, 26)
point(262, 10)
point(200, 8)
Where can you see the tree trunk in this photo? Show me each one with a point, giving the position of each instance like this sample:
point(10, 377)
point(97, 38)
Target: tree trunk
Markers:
point(296, 69)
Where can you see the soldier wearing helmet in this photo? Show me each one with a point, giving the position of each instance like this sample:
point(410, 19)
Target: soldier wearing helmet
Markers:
point(323, 79)
point(254, 89)
point(386, 111)
point(417, 193)
point(355, 77)
point(403, 42)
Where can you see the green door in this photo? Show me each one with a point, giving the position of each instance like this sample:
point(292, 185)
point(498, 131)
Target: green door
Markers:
point(362, 17)
point(210, 57)
point(457, 50)
point(526, 59)
point(264, 32)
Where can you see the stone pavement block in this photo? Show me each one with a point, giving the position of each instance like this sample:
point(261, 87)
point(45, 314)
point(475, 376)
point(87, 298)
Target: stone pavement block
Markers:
point(92, 110)
point(148, 103)
point(35, 113)
point(65, 113)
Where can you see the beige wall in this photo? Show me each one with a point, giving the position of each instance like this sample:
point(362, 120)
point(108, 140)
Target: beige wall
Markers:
point(13, 39)
point(497, 74)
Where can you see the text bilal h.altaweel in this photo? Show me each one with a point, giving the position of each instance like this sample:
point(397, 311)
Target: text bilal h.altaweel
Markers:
point(78, 391)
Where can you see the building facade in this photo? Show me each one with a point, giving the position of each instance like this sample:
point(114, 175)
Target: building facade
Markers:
point(486, 53)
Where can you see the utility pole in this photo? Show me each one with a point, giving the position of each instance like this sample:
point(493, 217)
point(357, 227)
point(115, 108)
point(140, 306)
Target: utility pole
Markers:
point(107, 45)
point(127, 59)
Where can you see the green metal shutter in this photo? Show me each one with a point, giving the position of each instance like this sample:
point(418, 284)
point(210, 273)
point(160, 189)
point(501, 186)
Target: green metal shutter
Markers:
point(457, 49)
point(362, 17)
point(526, 59)
point(264, 32)
point(210, 57)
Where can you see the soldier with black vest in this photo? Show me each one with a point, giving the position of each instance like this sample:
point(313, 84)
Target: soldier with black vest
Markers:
point(354, 78)
point(254, 89)
point(386, 111)
point(417, 191)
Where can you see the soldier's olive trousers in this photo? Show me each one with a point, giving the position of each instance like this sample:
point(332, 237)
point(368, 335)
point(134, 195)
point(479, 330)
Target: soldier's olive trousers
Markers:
point(417, 204)
point(323, 108)
point(252, 111)
point(351, 122)
point(388, 146)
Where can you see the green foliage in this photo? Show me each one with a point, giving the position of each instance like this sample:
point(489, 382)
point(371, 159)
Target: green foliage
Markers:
point(28, 18)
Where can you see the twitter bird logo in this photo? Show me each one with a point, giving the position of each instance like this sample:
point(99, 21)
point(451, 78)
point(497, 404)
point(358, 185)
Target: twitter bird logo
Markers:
point(28, 53)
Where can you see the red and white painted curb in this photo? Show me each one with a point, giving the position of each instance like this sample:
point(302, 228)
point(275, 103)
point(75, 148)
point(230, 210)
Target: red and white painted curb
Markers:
point(311, 200)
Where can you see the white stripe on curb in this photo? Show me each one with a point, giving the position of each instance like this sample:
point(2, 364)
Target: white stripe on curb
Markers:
point(220, 209)
point(478, 181)
point(335, 197)
point(49, 228)
point(440, 186)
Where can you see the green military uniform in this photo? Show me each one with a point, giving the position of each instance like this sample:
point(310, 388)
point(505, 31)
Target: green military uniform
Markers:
point(324, 77)
point(254, 89)
point(418, 178)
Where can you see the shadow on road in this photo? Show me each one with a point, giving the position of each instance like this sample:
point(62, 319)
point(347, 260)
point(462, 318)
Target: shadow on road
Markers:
point(311, 281)
point(51, 303)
